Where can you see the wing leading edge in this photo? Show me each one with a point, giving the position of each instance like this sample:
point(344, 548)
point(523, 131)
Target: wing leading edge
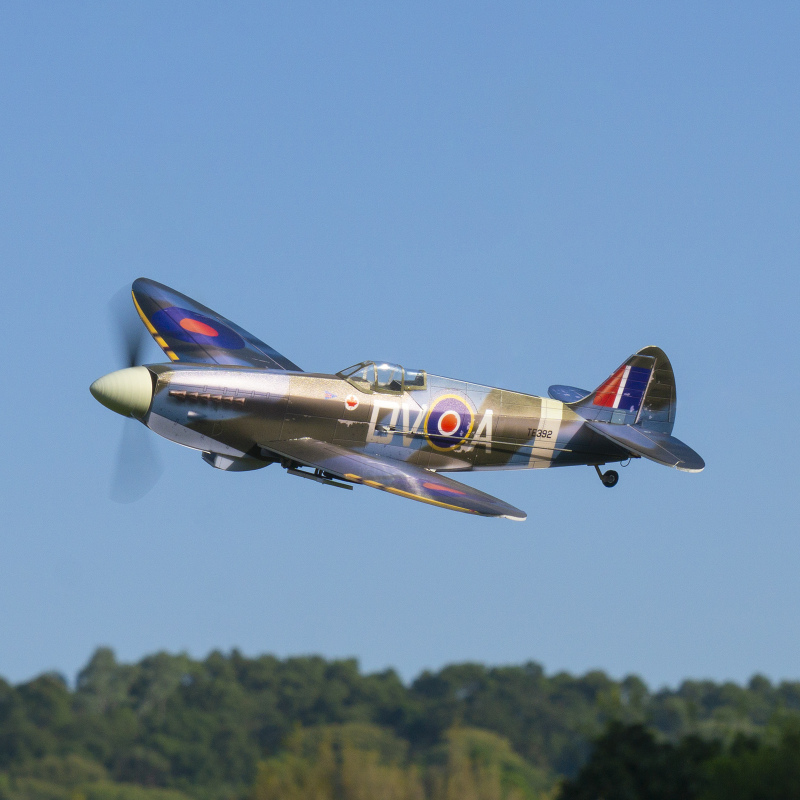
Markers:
point(396, 477)
point(189, 331)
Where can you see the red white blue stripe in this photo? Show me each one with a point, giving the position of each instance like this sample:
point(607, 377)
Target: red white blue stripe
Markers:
point(625, 389)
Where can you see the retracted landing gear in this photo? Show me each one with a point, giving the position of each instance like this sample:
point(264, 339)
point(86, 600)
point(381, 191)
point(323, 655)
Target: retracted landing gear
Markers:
point(609, 478)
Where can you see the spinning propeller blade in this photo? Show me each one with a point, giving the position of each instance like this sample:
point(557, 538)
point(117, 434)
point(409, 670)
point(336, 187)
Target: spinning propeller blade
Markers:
point(138, 465)
point(127, 328)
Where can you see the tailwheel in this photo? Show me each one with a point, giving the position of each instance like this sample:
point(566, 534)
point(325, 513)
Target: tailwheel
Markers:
point(609, 478)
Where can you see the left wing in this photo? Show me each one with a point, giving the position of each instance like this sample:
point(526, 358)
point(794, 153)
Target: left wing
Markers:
point(392, 476)
point(188, 331)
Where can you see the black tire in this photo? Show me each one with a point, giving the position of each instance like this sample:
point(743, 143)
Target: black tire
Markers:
point(610, 478)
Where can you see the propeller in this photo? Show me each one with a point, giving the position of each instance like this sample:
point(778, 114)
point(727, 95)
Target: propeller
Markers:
point(127, 329)
point(138, 465)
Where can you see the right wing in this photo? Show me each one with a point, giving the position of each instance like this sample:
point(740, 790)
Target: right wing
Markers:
point(188, 331)
point(393, 476)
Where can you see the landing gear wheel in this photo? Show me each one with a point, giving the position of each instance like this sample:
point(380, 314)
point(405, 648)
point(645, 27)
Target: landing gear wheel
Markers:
point(610, 478)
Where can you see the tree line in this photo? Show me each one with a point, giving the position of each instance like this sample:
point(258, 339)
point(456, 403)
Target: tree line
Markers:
point(230, 727)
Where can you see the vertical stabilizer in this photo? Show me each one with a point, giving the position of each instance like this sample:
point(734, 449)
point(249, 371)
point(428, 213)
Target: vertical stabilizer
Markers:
point(639, 392)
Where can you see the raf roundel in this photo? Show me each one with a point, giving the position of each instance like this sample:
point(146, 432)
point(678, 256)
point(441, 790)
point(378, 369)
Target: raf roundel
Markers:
point(351, 402)
point(448, 422)
point(189, 326)
point(195, 326)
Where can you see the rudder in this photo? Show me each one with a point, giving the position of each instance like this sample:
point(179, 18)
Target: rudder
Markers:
point(661, 399)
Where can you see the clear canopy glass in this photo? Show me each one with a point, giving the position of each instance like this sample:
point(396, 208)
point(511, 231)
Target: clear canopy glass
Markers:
point(369, 376)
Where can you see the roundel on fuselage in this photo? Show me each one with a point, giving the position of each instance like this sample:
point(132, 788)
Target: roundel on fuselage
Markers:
point(448, 422)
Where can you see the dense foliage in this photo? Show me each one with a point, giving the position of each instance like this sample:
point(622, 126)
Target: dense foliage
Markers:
point(233, 727)
point(629, 763)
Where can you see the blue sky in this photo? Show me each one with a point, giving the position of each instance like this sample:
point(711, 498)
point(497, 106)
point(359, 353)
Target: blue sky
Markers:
point(517, 195)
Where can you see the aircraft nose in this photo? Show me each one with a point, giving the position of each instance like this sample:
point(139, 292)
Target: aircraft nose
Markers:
point(126, 391)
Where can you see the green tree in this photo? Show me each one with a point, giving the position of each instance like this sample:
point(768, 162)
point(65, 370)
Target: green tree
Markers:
point(355, 761)
point(754, 769)
point(480, 765)
point(628, 763)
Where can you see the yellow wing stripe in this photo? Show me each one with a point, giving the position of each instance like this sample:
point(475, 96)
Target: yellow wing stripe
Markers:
point(154, 333)
point(146, 321)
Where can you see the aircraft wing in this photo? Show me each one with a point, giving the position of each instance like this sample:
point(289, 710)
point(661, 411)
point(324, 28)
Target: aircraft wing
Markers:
point(188, 331)
point(393, 476)
point(659, 447)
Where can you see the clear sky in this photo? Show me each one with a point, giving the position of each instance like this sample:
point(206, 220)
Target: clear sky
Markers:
point(514, 194)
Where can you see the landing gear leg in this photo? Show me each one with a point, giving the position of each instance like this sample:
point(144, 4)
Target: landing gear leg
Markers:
point(608, 478)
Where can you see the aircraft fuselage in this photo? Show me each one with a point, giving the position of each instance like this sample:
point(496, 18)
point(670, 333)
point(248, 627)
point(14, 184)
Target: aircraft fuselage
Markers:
point(447, 425)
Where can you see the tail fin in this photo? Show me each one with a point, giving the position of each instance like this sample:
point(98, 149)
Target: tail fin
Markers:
point(640, 392)
point(635, 408)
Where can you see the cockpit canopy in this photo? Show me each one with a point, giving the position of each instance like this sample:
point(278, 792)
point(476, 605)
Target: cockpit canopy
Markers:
point(378, 376)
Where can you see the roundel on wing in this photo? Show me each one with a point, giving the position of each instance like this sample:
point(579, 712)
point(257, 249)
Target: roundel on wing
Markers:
point(448, 422)
point(189, 326)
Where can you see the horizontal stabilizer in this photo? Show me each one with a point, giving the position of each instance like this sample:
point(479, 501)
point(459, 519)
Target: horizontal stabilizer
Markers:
point(659, 447)
point(567, 394)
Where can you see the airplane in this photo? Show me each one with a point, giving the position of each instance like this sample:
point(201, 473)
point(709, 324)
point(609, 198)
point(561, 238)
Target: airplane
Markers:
point(245, 406)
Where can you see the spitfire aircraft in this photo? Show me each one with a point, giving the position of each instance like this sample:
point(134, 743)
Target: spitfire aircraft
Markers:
point(244, 406)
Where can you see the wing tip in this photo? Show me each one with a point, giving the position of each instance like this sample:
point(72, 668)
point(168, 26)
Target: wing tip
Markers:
point(693, 463)
point(692, 468)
